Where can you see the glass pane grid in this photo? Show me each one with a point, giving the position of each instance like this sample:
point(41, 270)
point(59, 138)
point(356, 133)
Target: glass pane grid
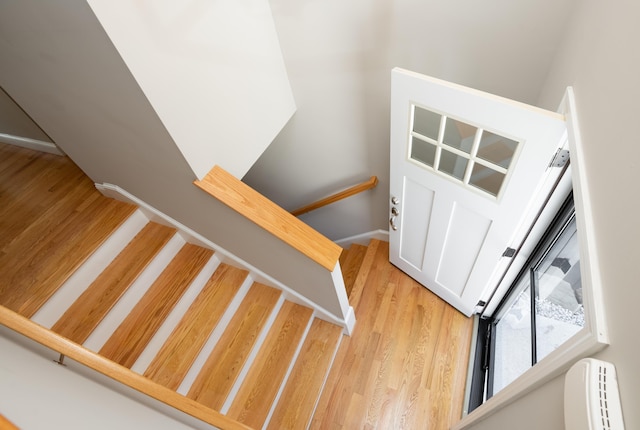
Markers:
point(473, 157)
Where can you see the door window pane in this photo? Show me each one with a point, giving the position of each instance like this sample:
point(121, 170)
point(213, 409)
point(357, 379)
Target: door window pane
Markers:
point(422, 151)
point(452, 164)
point(426, 123)
point(513, 341)
point(496, 149)
point(559, 310)
point(486, 179)
point(459, 135)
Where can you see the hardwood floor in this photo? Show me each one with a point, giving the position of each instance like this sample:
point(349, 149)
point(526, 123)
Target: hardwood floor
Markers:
point(404, 367)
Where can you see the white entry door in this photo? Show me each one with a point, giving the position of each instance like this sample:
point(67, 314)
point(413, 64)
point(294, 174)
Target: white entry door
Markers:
point(465, 166)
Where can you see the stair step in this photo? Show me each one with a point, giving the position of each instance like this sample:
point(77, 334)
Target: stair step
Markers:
point(350, 262)
point(84, 315)
point(368, 262)
point(260, 387)
point(307, 377)
point(132, 336)
point(175, 358)
point(35, 182)
point(53, 309)
point(219, 373)
point(55, 252)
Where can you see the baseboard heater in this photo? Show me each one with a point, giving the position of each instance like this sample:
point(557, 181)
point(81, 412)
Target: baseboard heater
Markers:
point(591, 397)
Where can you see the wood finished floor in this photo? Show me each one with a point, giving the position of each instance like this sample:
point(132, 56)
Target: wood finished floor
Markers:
point(405, 365)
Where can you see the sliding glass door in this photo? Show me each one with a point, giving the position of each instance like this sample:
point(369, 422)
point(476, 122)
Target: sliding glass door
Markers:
point(542, 309)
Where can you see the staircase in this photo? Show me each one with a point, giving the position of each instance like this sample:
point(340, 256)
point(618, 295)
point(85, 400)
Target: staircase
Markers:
point(177, 314)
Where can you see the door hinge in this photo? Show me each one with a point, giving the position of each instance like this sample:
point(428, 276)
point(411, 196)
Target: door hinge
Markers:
point(560, 158)
point(509, 252)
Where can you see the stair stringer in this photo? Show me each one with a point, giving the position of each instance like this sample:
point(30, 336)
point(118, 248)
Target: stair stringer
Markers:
point(190, 236)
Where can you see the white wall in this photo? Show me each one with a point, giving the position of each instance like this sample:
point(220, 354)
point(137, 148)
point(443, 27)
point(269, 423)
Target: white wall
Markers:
point(213, 72)
point(339, 57)
point(15, 122)
point(600, 59)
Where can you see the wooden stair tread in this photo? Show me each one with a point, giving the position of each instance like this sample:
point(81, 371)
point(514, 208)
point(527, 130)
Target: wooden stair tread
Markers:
point(307, 378)
point(84, 315)
point(367, 264)
point(350, 263)
point(134, 333)
point(33, 228)
point(253, 401)
point(173, 361)
point(55, 252)
point(32, 189)
point(219, 373)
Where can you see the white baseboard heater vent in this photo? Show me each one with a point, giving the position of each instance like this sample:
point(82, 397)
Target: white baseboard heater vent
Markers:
point(591, 397)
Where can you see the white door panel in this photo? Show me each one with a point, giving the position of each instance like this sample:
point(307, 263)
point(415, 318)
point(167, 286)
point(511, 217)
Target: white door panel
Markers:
point(464, 168)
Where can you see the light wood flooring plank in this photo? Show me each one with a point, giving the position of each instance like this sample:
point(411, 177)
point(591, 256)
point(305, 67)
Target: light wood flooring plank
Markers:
point(30, 183)
point(446, 380)
point(350, 262)
point(306, 380)
point(134, 333)
point(173, 361)
point(219, 373)
point(363, 273)
point(37, 224)
point(404, 367)
point(84, 315)
point(260, 387)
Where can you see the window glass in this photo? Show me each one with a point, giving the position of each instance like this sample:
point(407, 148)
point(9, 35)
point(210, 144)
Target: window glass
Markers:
point(459, 135)
point(559, 310)
point(513, 341)
point(486, 179)
point(426, 123)
point(452, 164)
point(544, 306)
point(496, 149)
point(422, 151)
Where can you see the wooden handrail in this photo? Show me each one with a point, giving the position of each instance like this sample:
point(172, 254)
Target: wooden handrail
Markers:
point(367, 185)
point(36, 332)
point(5, 424)
point(271, 217)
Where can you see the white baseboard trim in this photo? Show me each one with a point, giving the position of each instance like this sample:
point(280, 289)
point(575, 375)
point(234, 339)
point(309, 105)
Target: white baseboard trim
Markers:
point(115, 192)
point(25, 142)
point(364, 238)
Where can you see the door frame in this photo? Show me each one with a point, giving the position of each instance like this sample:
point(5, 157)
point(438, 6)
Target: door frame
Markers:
point(594, 336)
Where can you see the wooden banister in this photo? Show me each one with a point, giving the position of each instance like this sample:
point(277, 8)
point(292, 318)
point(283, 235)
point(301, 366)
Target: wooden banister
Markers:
point(5, 424)
point(271, 217)
point(36, 332)
point(367, 185)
